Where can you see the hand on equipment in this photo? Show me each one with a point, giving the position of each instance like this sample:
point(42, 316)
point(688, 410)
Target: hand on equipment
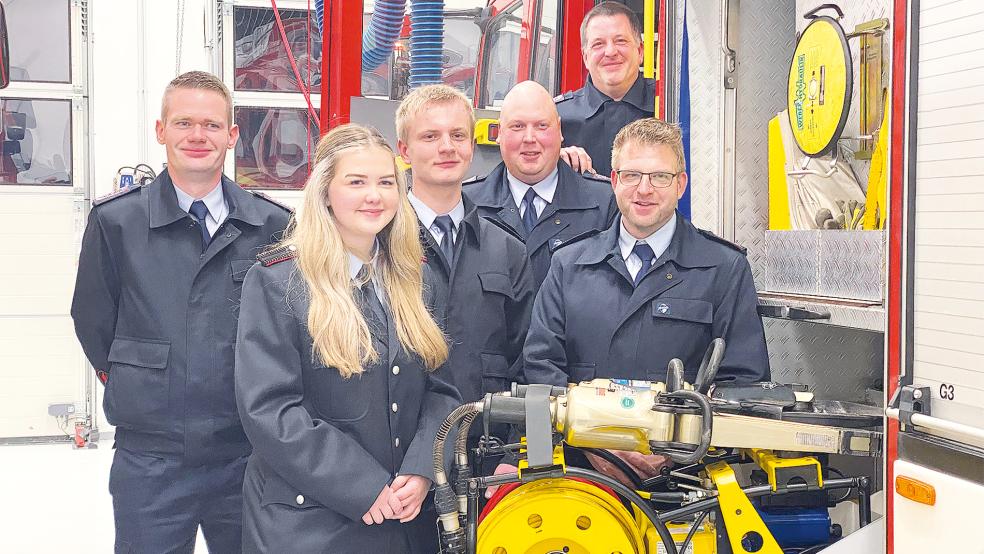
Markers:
point(410, 491)
point(645, 465)
point(499, 470)
point(386, 506)
point(577, 158)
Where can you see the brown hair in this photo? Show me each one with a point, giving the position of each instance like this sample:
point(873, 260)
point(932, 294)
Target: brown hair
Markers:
point(650, 132)
point(611, 9)
point(197, 80)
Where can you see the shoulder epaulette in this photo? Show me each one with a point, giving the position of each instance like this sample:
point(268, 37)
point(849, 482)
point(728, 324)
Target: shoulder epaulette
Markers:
point(566, 96)
point(118, 194)
point(473, 179)
point(502, 225)
point(726, 242)
point(277, 255)
point(597, 177)
point(577, 238)
point(271, 200)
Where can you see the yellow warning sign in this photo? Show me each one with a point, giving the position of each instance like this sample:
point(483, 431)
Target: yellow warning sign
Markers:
point(819, 91)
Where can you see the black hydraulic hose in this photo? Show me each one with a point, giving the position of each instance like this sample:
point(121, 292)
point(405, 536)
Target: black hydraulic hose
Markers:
point(619, 464)
point(693, 531)
point(631, 496)
point(755, 492)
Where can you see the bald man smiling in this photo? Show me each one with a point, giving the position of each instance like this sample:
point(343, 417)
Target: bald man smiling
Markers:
point(532, 192)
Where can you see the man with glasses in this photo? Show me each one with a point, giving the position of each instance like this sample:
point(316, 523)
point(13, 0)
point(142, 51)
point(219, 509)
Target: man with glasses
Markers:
point(652, 287)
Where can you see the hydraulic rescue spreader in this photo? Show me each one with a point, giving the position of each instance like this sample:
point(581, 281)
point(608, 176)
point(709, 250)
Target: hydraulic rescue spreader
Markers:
point(708, 430)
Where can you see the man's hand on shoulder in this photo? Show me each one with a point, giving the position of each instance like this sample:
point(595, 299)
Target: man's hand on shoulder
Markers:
point(577, 158)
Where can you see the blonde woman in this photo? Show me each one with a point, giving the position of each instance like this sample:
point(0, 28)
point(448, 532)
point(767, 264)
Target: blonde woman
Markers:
point(335, 366)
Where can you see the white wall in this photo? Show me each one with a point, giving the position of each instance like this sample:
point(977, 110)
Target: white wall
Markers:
point(133, 56)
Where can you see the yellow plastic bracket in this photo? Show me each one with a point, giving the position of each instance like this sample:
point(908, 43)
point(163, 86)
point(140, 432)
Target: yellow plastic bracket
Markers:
point(558, 457)
point(487, 131)
point(649, 39)
point(782, 469)
point(745, 526)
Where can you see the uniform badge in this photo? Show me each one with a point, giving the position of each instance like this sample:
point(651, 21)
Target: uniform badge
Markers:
point(662, 308)
point(557, 242)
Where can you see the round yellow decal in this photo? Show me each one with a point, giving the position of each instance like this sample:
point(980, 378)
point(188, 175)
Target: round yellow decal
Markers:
point(819, 91)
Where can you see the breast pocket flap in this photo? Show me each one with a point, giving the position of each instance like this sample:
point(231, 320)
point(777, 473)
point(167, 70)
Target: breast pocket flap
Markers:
point(496, 282)
point(682, 309)
point(151, 354)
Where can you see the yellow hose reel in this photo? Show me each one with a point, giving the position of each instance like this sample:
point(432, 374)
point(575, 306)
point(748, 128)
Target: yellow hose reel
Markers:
point(560, 515)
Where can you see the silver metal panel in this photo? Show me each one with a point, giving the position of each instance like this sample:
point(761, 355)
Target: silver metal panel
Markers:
point(852, 264)
point(706, 100)
point(792, 262)
point(380, 113)
point(836, 362)
point(765, 46)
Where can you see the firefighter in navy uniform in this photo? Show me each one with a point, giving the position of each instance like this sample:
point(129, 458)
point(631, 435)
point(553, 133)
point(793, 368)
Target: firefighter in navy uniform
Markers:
point(615, 94)
point(652, 287)
point(623, 302)
point(532, 192)
point(486, 282)
point(335, 367)
point(155, 309)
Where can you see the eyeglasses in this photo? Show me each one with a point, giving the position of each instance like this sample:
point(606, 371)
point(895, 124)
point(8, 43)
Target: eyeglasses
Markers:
point(658, 179)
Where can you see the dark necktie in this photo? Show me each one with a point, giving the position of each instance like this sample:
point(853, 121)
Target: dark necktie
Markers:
point(199, 210)
point(529, 216)
point(446, 225)
point(646, 254)
point(375, 315)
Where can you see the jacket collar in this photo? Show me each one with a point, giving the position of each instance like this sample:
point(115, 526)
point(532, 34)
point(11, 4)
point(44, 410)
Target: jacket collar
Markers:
point(164, 209)
point(686, 247)
point(636, 96)
point(494, 192)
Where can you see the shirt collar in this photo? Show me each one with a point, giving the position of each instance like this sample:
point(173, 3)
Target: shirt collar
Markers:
point(545, 189)
point(355, 263)
point(636, 95)
point(427, 216)
point(659, 241)
point(214, 201)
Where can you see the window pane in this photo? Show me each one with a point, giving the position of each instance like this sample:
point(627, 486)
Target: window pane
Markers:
point(274, 146)
point(461, 38)
point(37, 142)
point(38, 33)
point(501, 57)
point(545, 61)
point(261, 60)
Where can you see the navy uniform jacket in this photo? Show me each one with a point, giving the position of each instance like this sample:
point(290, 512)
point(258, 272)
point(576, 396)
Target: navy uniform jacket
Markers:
point(159, 316)
point(580, 204)
point(590, 119)
point(324, 446)
point(487, 296)
point(588, 320)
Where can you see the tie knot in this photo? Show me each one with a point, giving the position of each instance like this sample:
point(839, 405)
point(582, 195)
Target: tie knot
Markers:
point(530, 196)
point(645, 253)
point(198, 209)
point(444, 223)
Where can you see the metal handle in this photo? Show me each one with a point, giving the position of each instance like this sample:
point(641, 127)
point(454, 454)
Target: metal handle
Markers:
point(812, 14)
point(976, 434)
point(709, 366)
point(790, 312)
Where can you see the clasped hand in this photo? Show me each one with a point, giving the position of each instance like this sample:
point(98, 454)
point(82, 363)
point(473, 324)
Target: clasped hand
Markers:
point(400, 500)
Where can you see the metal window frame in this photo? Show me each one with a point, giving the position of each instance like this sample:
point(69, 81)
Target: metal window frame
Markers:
point(222, 43)
point(77, 93)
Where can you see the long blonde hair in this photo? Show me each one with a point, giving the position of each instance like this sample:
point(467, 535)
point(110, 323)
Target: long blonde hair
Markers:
point(341, 337)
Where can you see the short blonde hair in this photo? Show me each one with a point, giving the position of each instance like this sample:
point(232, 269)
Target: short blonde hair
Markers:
point(650, 132)
point(421, 98)
point(200, 80)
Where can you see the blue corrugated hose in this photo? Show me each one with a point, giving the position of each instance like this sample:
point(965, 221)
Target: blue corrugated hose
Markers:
point(426, 42)
point(383, 30)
